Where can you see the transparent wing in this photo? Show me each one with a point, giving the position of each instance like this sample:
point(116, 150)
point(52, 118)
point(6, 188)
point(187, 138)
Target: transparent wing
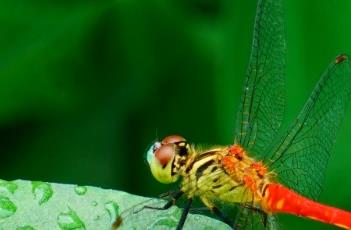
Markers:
point(251, 217)
point(301, 156)
point(262, 104)
point(248, 219)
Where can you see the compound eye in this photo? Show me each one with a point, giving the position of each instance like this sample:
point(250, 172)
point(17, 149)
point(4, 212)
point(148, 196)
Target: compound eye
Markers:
point(173, 139)
point(165, 153)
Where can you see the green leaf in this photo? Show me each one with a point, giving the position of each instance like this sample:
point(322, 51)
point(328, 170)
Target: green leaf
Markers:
point(35, 205)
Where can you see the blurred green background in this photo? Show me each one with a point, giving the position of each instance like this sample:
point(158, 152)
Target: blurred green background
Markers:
point(86, 86)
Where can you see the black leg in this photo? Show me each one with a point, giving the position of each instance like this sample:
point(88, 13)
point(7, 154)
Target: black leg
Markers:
point(184, 214)
point(175, 196)
point(168, 194)
point(265, 218)
point(168, 204)
point(223, 217)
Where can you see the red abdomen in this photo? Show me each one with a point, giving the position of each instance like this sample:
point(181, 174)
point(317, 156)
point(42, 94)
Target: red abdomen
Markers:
point(279, 199)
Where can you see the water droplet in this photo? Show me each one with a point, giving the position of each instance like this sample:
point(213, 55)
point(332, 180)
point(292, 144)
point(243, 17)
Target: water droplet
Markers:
point(69, 221)
point(42, 191)
point(27, 227)
point(7, 207)
point(80, 190)
point(94, 203)
point(8, 186)
point(165, 222)
point(112, 209)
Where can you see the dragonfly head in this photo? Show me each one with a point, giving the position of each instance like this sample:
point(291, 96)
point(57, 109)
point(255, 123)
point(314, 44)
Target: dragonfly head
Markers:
point(162, 158)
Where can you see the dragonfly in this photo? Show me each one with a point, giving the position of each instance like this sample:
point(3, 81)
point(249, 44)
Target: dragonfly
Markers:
point(265, 171)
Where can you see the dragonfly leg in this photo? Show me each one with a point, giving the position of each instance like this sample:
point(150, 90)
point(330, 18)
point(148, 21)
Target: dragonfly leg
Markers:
point(222, 216)
point(169, 204)
point(265, 217)
point(184, 214)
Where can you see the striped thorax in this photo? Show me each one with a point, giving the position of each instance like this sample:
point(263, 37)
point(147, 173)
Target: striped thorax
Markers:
point(223, 173)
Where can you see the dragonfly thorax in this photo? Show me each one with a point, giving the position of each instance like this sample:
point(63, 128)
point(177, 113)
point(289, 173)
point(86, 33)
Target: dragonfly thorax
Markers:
point(225, 173)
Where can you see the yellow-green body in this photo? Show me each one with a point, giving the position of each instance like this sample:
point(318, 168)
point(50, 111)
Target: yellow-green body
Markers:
point(216, 175)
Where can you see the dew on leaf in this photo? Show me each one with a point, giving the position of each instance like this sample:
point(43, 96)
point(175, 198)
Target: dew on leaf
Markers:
point(80, 190)
point(165, 222)
point(112, 209)
point(8, 186)
point(94, 203)
point(42, 191)
point(169, 220)
point(7, 207)
point(70, 220)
